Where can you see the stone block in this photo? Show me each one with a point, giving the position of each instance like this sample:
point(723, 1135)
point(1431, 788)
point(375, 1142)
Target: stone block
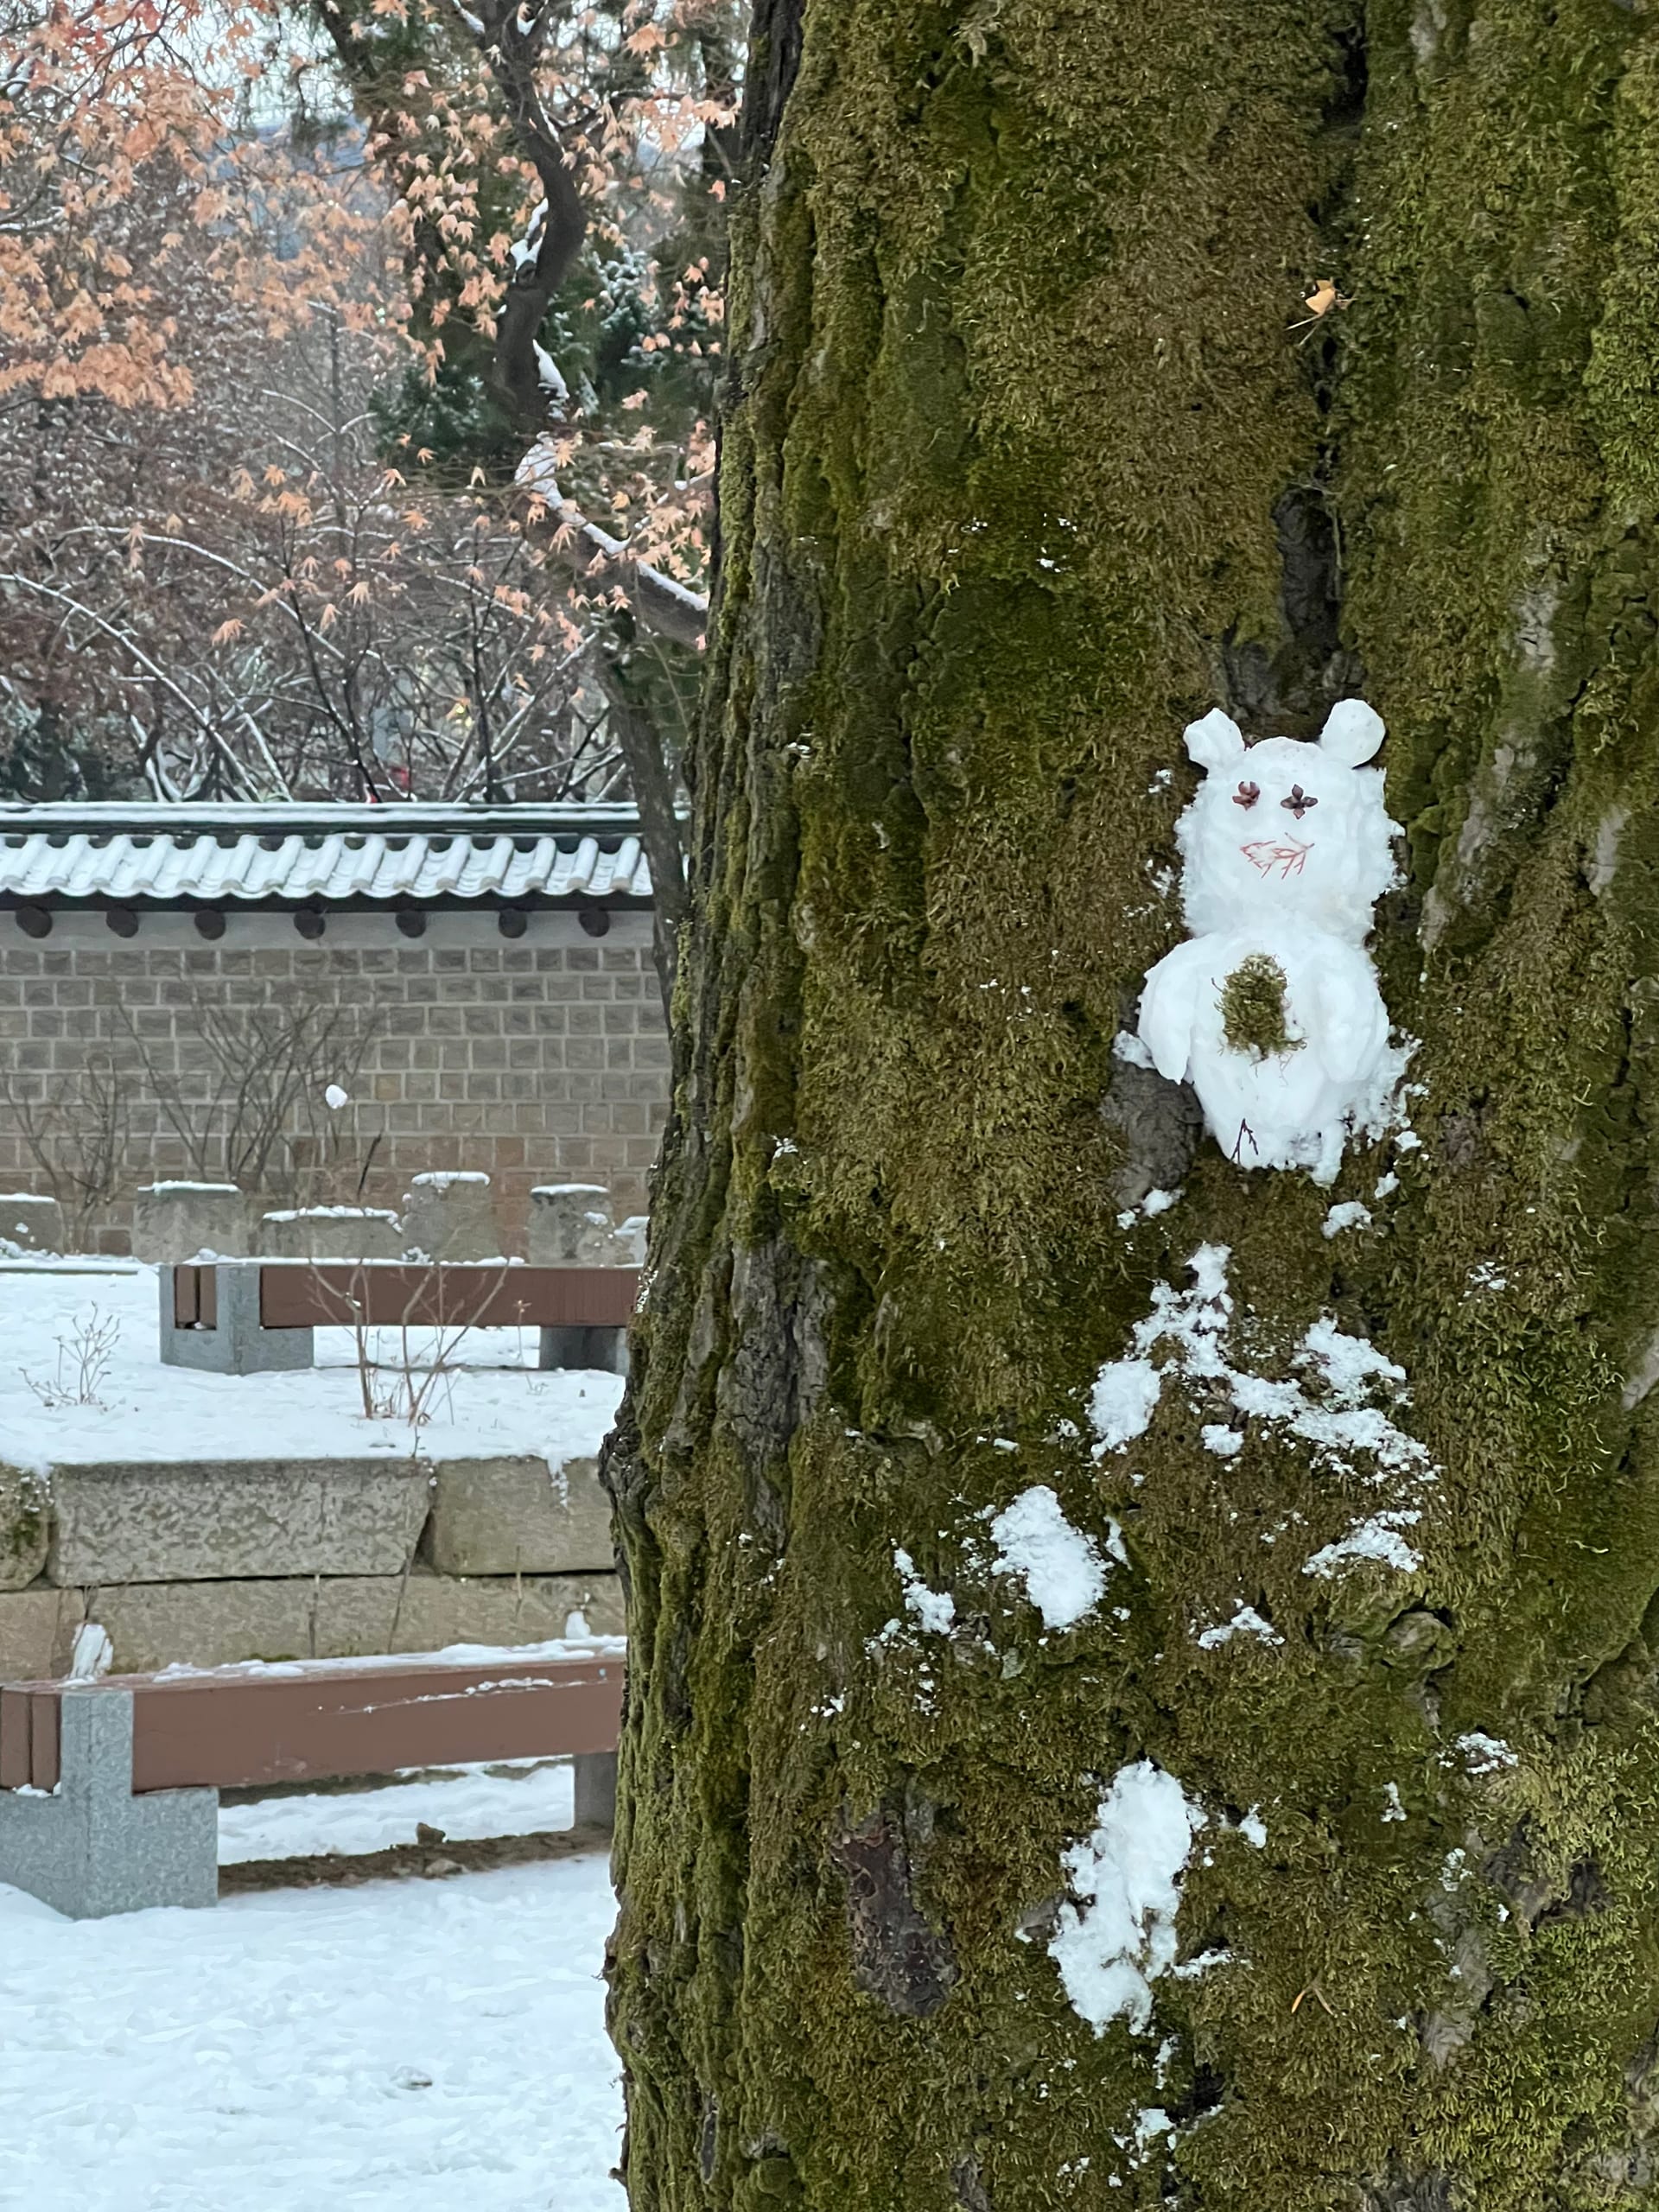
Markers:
point(519, 1516)
point(158, 1624)
point(34, 1224)
point(570, 1226)
point(439, 1610)
point(631, 1234)
point(238, 1344)
point(176, 1221)
point(90, 1847)
point(210, 1520)
point(450, 1215)
point(37, 1633)
point(605, 1351)
point(25, 1526)
point(331, 1233)
point(594, 1778)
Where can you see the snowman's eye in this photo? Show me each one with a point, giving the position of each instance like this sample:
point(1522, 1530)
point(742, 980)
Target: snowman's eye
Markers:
point(1247, 794)
point(1300, 801)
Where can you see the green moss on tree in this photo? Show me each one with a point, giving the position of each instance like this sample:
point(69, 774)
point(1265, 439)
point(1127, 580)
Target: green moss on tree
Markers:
point(1253, 1012)
point(25, 1526)
point(1017, 407)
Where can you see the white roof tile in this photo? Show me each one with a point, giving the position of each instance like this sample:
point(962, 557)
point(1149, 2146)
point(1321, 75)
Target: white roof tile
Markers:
point(138, 854)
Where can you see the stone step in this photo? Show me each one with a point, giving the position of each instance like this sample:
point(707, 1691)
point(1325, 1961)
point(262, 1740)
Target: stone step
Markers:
point(115, 1521)
point(152, 1625)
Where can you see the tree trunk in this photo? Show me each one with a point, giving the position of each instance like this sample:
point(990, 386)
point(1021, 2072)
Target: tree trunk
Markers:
point(1027, 462)
point(650, 777)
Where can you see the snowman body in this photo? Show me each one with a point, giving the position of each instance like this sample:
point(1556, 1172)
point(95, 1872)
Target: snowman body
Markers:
point(1271, 1009)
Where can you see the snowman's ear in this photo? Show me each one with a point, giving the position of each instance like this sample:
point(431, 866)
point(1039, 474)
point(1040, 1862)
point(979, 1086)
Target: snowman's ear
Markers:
point(1352, 732)
point(1215, 740)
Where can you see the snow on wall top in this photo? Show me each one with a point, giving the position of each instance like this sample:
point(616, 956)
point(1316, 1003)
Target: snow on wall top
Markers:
point(327, 854)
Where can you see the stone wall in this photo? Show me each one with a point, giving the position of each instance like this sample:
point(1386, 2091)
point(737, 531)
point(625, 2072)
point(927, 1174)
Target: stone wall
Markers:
point(209, 1562)
point(539, 1060)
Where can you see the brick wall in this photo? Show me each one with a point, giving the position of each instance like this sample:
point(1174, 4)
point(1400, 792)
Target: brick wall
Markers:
point(539, 1060)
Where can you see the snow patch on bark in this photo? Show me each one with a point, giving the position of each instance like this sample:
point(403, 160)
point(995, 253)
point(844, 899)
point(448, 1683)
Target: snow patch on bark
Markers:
point(1328, 1401)
point(1485, 1754)
point(1376, 1539)
point(1126, 1391)
point(1245, 1622)
point(1064, 1573)
point(1192, 1324)
point(1117, 1933)
point(1350, 1215)
point(1124, 1401)
point(934, 1609)
point(1150, 1207)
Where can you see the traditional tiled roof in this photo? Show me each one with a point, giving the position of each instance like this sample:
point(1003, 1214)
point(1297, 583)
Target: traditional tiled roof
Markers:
point(320, 856)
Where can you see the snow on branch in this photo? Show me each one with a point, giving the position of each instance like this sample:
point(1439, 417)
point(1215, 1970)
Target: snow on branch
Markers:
point(666, 606)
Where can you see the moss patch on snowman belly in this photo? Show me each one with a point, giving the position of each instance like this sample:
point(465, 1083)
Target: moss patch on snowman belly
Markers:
point(1254, 1016)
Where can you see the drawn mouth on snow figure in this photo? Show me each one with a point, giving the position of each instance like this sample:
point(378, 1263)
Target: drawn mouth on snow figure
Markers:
point(1266, 855)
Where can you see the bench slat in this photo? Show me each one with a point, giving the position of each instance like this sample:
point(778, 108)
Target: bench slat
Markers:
point(195, 1297)
point(228, 1732)
point(17, 1719)
point(337, 1294)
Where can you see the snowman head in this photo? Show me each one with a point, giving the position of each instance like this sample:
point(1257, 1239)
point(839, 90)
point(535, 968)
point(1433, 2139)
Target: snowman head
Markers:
point(1283, 831)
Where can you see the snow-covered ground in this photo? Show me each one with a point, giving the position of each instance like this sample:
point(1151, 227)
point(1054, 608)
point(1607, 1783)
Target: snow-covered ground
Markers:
point(392, 2046)
point(490, 1400)
point(398, 2046)
point(419, 2046)
point(520, 1797)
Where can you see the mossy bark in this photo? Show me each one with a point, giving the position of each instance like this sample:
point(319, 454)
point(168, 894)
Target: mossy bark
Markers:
point(1026, 463)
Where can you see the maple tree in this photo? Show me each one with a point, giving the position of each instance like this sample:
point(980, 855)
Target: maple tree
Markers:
point(92, 98)
point(535, 154)
point(244, 599)
point(248, 603)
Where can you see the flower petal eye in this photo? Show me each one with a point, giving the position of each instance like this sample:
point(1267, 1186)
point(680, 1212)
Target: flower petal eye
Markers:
point(1299, 802)
point(1247, 794)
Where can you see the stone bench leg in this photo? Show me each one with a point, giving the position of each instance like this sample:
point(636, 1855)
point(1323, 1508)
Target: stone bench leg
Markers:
point(90, 1847)
point(605, 1349)
point(595, 1790)
point(239, 1345)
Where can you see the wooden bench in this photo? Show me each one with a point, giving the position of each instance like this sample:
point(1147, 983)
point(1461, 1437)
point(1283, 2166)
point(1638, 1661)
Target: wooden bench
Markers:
point(109, 1790)
point(251, 1316)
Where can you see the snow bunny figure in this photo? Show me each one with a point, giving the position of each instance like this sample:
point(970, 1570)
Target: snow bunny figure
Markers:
point(1271, 1009)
